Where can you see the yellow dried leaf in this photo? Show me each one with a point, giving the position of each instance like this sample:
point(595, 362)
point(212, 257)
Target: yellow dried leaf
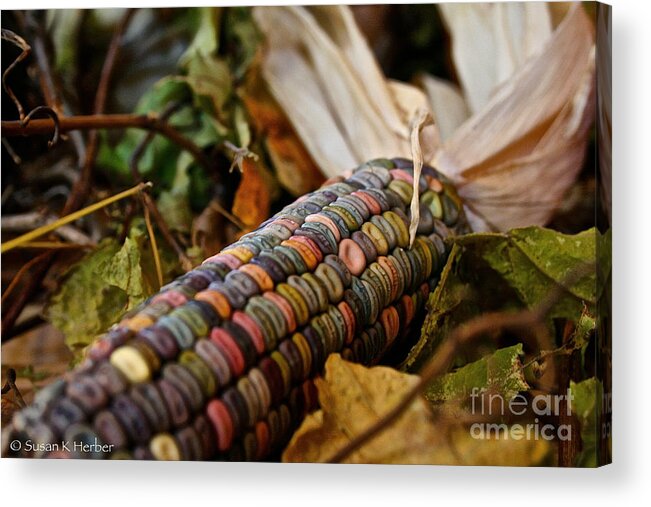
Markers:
point(353, 397)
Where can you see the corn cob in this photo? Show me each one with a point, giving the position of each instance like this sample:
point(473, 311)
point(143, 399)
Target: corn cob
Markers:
point(219, 364)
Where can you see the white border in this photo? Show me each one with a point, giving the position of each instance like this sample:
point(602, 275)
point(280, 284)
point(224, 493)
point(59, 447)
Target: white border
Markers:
point(624, 483)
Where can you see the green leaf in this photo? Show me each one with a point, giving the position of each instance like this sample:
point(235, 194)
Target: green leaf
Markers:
point(534, 261)
point(210, 80)
point(445, 304)
point(158, 161)
point(206, 39)
point(586, 406)
point(242, 35)
point(85, 305)
point(63, 26)
point(201, 187)
point(105, 284)
point(123, 270)
point(506, 272)
point(174, 204)
point(499, 373)
point(162, 93)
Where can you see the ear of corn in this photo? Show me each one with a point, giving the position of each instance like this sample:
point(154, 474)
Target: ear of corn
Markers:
point(219, 364)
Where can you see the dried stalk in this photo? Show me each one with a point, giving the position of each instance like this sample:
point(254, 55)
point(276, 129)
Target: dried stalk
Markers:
point(40, 231)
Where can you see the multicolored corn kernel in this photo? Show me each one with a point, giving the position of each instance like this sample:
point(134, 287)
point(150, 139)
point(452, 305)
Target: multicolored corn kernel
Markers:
point(219, 364)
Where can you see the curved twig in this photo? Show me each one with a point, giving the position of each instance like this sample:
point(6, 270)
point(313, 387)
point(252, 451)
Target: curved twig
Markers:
point(26, 50)
point(49, 112)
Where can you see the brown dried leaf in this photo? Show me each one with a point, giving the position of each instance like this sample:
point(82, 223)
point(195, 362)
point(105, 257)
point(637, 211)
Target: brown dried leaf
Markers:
point(253, 197)
point(353, 397)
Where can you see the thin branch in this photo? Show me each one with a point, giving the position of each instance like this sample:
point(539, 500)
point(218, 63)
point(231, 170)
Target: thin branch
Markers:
point(59, 245)
point(52, 93)
point(137, 154)
point(111, 59)
point(528, 321)
point(52, 114)
point(6, 193)
point(22, 221)
point(80, 189)
point(21, 272)
point(574, 334)
point(14, 156)
point(108, 122)
point(49, 87)
point(37, 267)
point(33, 219)
point(232, 218)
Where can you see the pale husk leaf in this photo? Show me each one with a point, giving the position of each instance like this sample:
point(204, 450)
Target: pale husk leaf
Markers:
point(490, 41)
point(321, 71)
point(514, 160)
point(449, 108)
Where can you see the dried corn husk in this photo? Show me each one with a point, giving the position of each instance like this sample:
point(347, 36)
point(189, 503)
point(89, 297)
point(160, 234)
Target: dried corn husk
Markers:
point(490, 41)
point(321, 71)
point(512, 139)
point(514, 159)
